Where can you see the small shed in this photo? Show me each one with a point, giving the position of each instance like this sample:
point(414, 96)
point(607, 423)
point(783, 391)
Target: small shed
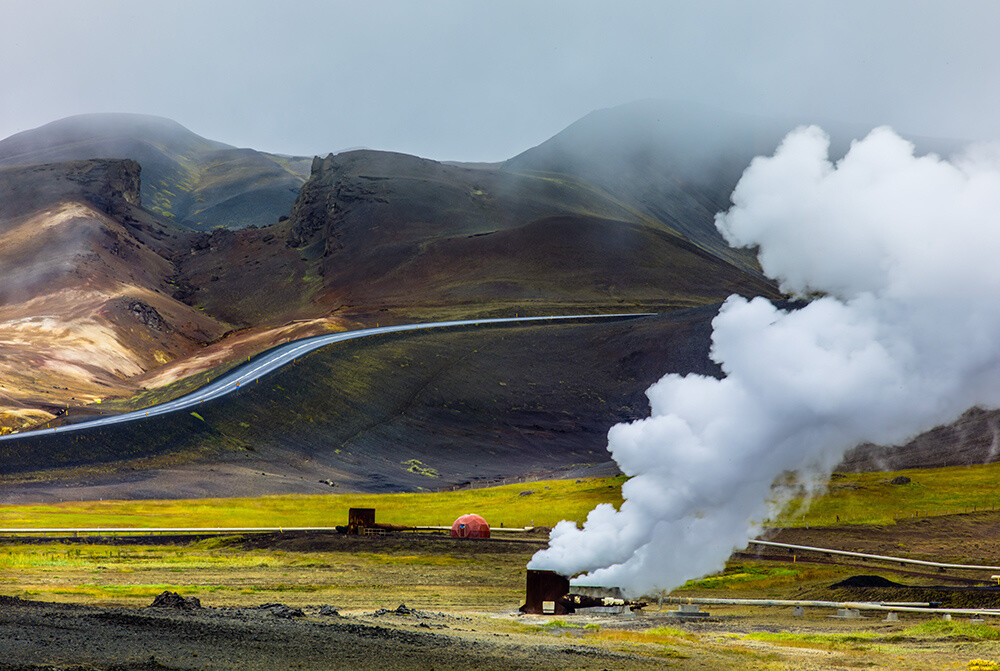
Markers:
point(470, 526)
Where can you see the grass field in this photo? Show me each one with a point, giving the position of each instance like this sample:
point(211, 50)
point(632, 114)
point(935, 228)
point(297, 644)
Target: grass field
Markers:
point(871, 498)
point(541, 503)
point(225, 572)
point(851, 498)
point(475, 579)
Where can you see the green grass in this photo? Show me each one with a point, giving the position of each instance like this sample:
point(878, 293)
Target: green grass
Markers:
point(935, 629)
point(167, 392)
point(418, 467)
point(853, 641)
point(931, 630)
point(862, 498)
point(228, 574)
point(739, 575)
point(22, 558)
point(869, 498)
point(552, 500)
point(561, 624)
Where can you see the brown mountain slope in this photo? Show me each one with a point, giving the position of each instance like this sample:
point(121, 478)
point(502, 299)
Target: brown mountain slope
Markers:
point(85, 288)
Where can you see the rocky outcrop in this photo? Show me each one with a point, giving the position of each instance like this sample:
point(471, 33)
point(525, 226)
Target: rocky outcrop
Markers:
point(974, 438)
point(111, 185)
point(329, 195)
point(145, 314)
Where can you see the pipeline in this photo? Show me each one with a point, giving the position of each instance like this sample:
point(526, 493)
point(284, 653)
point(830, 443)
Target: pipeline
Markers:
point(885, 606)
point(862, 555)
point(573, 601)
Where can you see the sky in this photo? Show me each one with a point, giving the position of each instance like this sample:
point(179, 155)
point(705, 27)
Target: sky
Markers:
point(483, 81)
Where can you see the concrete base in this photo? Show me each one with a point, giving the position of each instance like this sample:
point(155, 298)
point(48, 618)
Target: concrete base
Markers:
point(798, 611)
point(891, 617)
point(848, 614)
point(685, 616)
point(687, 610)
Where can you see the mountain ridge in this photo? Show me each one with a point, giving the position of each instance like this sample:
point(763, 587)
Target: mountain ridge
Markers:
point(195, 182)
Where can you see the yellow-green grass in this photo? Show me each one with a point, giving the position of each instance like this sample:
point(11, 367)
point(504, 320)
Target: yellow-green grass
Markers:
point(229, 574)
point(870, 498)
point(744, 576)
point(549, 502)
point(931, 630)
point(852, 498)
point(657, 640)
point(167, 392)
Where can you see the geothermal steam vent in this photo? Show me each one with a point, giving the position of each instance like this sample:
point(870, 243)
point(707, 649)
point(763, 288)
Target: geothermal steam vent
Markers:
point(901, 249)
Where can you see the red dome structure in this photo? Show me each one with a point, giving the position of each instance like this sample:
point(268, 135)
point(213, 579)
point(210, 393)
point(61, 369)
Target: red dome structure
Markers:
point(470, 526)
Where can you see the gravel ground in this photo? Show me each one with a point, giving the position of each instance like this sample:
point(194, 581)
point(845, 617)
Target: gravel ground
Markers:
point(37, 635)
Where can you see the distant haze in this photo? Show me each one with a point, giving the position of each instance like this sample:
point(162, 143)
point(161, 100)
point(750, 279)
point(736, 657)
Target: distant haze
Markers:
point(470, 80)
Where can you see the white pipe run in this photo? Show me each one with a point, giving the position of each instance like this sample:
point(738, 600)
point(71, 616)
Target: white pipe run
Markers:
point(862, 555)
point(898, 607)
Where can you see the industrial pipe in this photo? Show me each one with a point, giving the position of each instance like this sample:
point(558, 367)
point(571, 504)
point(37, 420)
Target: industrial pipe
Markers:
point(862, 555)
point(900, 607)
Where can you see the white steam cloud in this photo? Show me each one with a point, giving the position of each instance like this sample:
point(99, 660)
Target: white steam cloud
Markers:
point(905, 251)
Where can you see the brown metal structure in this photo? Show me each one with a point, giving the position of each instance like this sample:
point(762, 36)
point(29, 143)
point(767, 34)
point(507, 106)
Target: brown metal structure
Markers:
point(544, 592)
point(359, 519)
point(547, 593)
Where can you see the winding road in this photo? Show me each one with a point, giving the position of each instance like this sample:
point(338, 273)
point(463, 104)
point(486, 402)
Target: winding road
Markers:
point(283, 354)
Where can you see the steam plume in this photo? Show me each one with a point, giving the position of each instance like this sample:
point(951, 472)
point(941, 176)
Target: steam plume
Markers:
point(906, 336)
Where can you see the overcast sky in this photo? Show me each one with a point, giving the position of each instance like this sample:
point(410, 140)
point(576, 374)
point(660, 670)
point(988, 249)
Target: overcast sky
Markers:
point(477, 80)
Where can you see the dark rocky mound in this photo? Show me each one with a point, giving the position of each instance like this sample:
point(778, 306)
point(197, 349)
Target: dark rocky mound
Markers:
point(168, 599)
point(865, 581)
point(281, 610)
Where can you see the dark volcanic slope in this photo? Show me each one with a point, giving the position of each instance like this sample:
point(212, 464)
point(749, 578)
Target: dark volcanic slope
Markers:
point(470, 404)
point(192, 181)
point(396, 232)
point(972, 439)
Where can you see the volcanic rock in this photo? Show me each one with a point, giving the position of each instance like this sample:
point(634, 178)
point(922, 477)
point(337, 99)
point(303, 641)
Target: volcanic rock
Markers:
point(281, 610)
point(865, 581)
point(168, 599)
